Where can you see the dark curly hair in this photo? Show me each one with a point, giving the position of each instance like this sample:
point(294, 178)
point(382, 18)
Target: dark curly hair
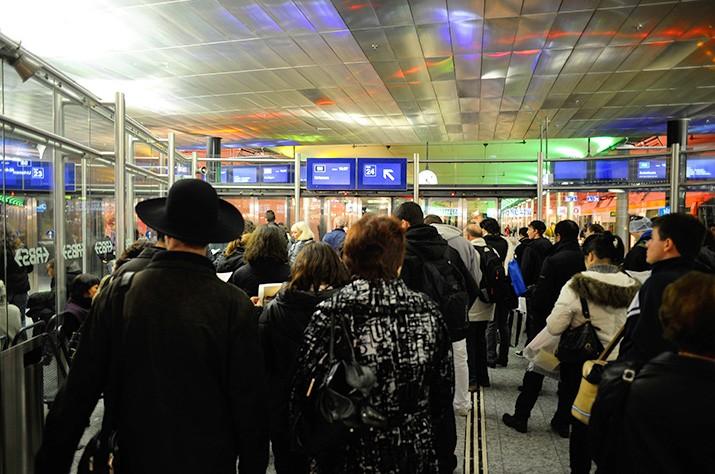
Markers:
point(266, 242)
point(317, 264)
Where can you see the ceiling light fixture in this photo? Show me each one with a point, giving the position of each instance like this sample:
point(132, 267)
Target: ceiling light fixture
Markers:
point(23, 65)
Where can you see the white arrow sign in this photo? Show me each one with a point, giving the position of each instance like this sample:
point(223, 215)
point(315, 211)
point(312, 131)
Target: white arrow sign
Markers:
point(387, 174)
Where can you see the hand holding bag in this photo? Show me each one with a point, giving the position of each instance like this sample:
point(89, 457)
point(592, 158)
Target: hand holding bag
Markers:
point(591, 377)
point(581, 343)
point(540, 353)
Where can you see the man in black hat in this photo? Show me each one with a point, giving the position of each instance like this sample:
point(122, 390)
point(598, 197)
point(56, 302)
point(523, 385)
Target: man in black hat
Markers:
point(175, 351)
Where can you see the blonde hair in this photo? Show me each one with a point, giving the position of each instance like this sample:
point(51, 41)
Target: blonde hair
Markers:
point(304, 232)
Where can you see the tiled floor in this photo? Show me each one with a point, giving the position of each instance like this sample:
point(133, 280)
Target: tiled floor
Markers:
point(539, 451)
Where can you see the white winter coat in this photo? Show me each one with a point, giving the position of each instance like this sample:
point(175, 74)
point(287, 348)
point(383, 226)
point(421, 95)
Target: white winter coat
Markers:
point(480, 311)
point(608, 296)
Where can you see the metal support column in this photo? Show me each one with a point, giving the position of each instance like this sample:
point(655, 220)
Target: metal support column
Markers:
point(416, 178)
point(120, 157)
point(194, 163)
point(622, 217)
point(675, 178)
point(296, 187)
point(84, 212)
point(129, 204)
point(58, 171)
point(540, 186)
point(172, 159)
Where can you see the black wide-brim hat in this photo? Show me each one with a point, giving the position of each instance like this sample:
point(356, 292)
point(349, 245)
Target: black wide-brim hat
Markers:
point(192, 213)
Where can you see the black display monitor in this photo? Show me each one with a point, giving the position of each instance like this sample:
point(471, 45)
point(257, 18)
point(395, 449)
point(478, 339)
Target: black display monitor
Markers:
point(611, 170)
point(570, 170)
point(336, 174)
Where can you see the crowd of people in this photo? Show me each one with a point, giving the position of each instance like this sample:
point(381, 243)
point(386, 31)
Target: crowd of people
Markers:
point(377, 335)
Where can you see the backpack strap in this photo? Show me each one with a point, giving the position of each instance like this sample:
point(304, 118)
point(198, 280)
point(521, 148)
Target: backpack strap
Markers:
point(584, 309)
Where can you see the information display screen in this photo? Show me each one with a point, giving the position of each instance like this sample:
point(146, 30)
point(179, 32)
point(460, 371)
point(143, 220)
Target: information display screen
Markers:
point(331, 174)
point(612, 170)
point(26, 175)
point(651, 169)
point(239, 174)
point(382, 173)
point(275, 174)
point(700, 168)
point(570, 170)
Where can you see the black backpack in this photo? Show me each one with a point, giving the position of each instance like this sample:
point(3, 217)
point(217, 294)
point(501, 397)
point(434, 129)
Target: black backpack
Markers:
point(495, 286)
point(445, 284)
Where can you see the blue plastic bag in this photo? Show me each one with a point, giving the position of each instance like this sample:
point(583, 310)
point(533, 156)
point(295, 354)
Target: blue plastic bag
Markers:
point(517, 280)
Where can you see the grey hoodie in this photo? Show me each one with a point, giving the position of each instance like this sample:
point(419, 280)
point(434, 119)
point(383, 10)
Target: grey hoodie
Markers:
point(454, 238)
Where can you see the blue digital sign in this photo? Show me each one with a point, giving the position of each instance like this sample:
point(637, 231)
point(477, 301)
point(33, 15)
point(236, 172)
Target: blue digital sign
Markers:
point(570, 170)
point(239, 174)
point(275, 174)
point(331, 174)
point(382, 173)
point(700, 168)
point(26, 175)
point(612, 170)
point(651, 169)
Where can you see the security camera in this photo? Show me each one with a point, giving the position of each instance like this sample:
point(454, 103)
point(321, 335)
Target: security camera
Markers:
point(203, 170)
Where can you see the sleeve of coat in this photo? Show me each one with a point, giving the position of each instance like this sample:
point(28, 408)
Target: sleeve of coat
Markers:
point(442, 377)
point(545, 288)
point(248, 389)
point(564, 311)
point(75, 402)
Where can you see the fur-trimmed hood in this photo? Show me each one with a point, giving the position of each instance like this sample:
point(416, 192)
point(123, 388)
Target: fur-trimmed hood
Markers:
point(615, 290)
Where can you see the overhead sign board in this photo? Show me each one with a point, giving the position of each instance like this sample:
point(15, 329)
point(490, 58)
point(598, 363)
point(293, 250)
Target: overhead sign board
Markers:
point(382, 174)
point(700, 168)
point(26, 175)
point(651, 169)
point(275, 174)
point(612, 170)
point(331, 174)
point(239, 174)
point(570, 170)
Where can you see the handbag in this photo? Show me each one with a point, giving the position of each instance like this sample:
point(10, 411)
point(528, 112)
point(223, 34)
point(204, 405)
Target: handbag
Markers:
point(334, 408)
point(101, 455)
point(592, 372)
point(581, 343)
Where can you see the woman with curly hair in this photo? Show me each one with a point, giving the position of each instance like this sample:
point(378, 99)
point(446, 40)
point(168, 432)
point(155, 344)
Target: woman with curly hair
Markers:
point(266, 258)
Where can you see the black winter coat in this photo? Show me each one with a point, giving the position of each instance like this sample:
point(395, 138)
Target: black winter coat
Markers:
point(635, 259)
point(191, 383)
point(533, 259)
point(251, 275)
point(139, 262)
point(230, 263)
point(520, 249)
point(643, 335)
point(431, 246)
point(498, 243)
point(669, 417)
point(281, 328)
point(563, 261)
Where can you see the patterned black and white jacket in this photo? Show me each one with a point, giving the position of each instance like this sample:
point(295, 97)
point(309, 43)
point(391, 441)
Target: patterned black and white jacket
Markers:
point(401, 336)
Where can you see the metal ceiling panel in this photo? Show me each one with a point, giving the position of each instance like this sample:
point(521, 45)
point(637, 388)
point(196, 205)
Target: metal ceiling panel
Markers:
point(366, 74)
point(602, 27)
point(467, 66)
point(435, 40)
point(495, 65)
point(492, 88)
point(468, 105)
point(523, 62)
point(394, 12)
point(510, 103)
point(680, 19)
point(469, 88)
point(640, 23)
point(423, 91)
point(489, 104)
point(466, 36)
point(374, 44)
point(532, 31)
point(643, 56)
point(344, 46)
point(317, 49)
point(357, 16)
point(404, 42)
point(592, 82)
point(425, 12)
point(445, 89)
point(566, 83)
point(566, 29)
point(321, 14)
point(291, 53)
point(502, 8)
point(499, 34)
point(440, 69)
point(552, 61)
point(611, 58)
point(517, 85)
point(580, 60)
point(461, 10)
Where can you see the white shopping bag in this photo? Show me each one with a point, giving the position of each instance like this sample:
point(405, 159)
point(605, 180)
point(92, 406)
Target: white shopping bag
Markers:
point(540, 353)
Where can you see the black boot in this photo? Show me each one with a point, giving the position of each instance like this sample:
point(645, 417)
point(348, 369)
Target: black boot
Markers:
point(514, 422)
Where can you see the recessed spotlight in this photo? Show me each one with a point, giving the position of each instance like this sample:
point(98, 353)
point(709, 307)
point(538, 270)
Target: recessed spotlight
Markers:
point(374, 45)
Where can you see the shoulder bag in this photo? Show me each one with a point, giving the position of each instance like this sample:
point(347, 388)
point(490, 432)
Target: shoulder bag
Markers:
point(581, 343)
